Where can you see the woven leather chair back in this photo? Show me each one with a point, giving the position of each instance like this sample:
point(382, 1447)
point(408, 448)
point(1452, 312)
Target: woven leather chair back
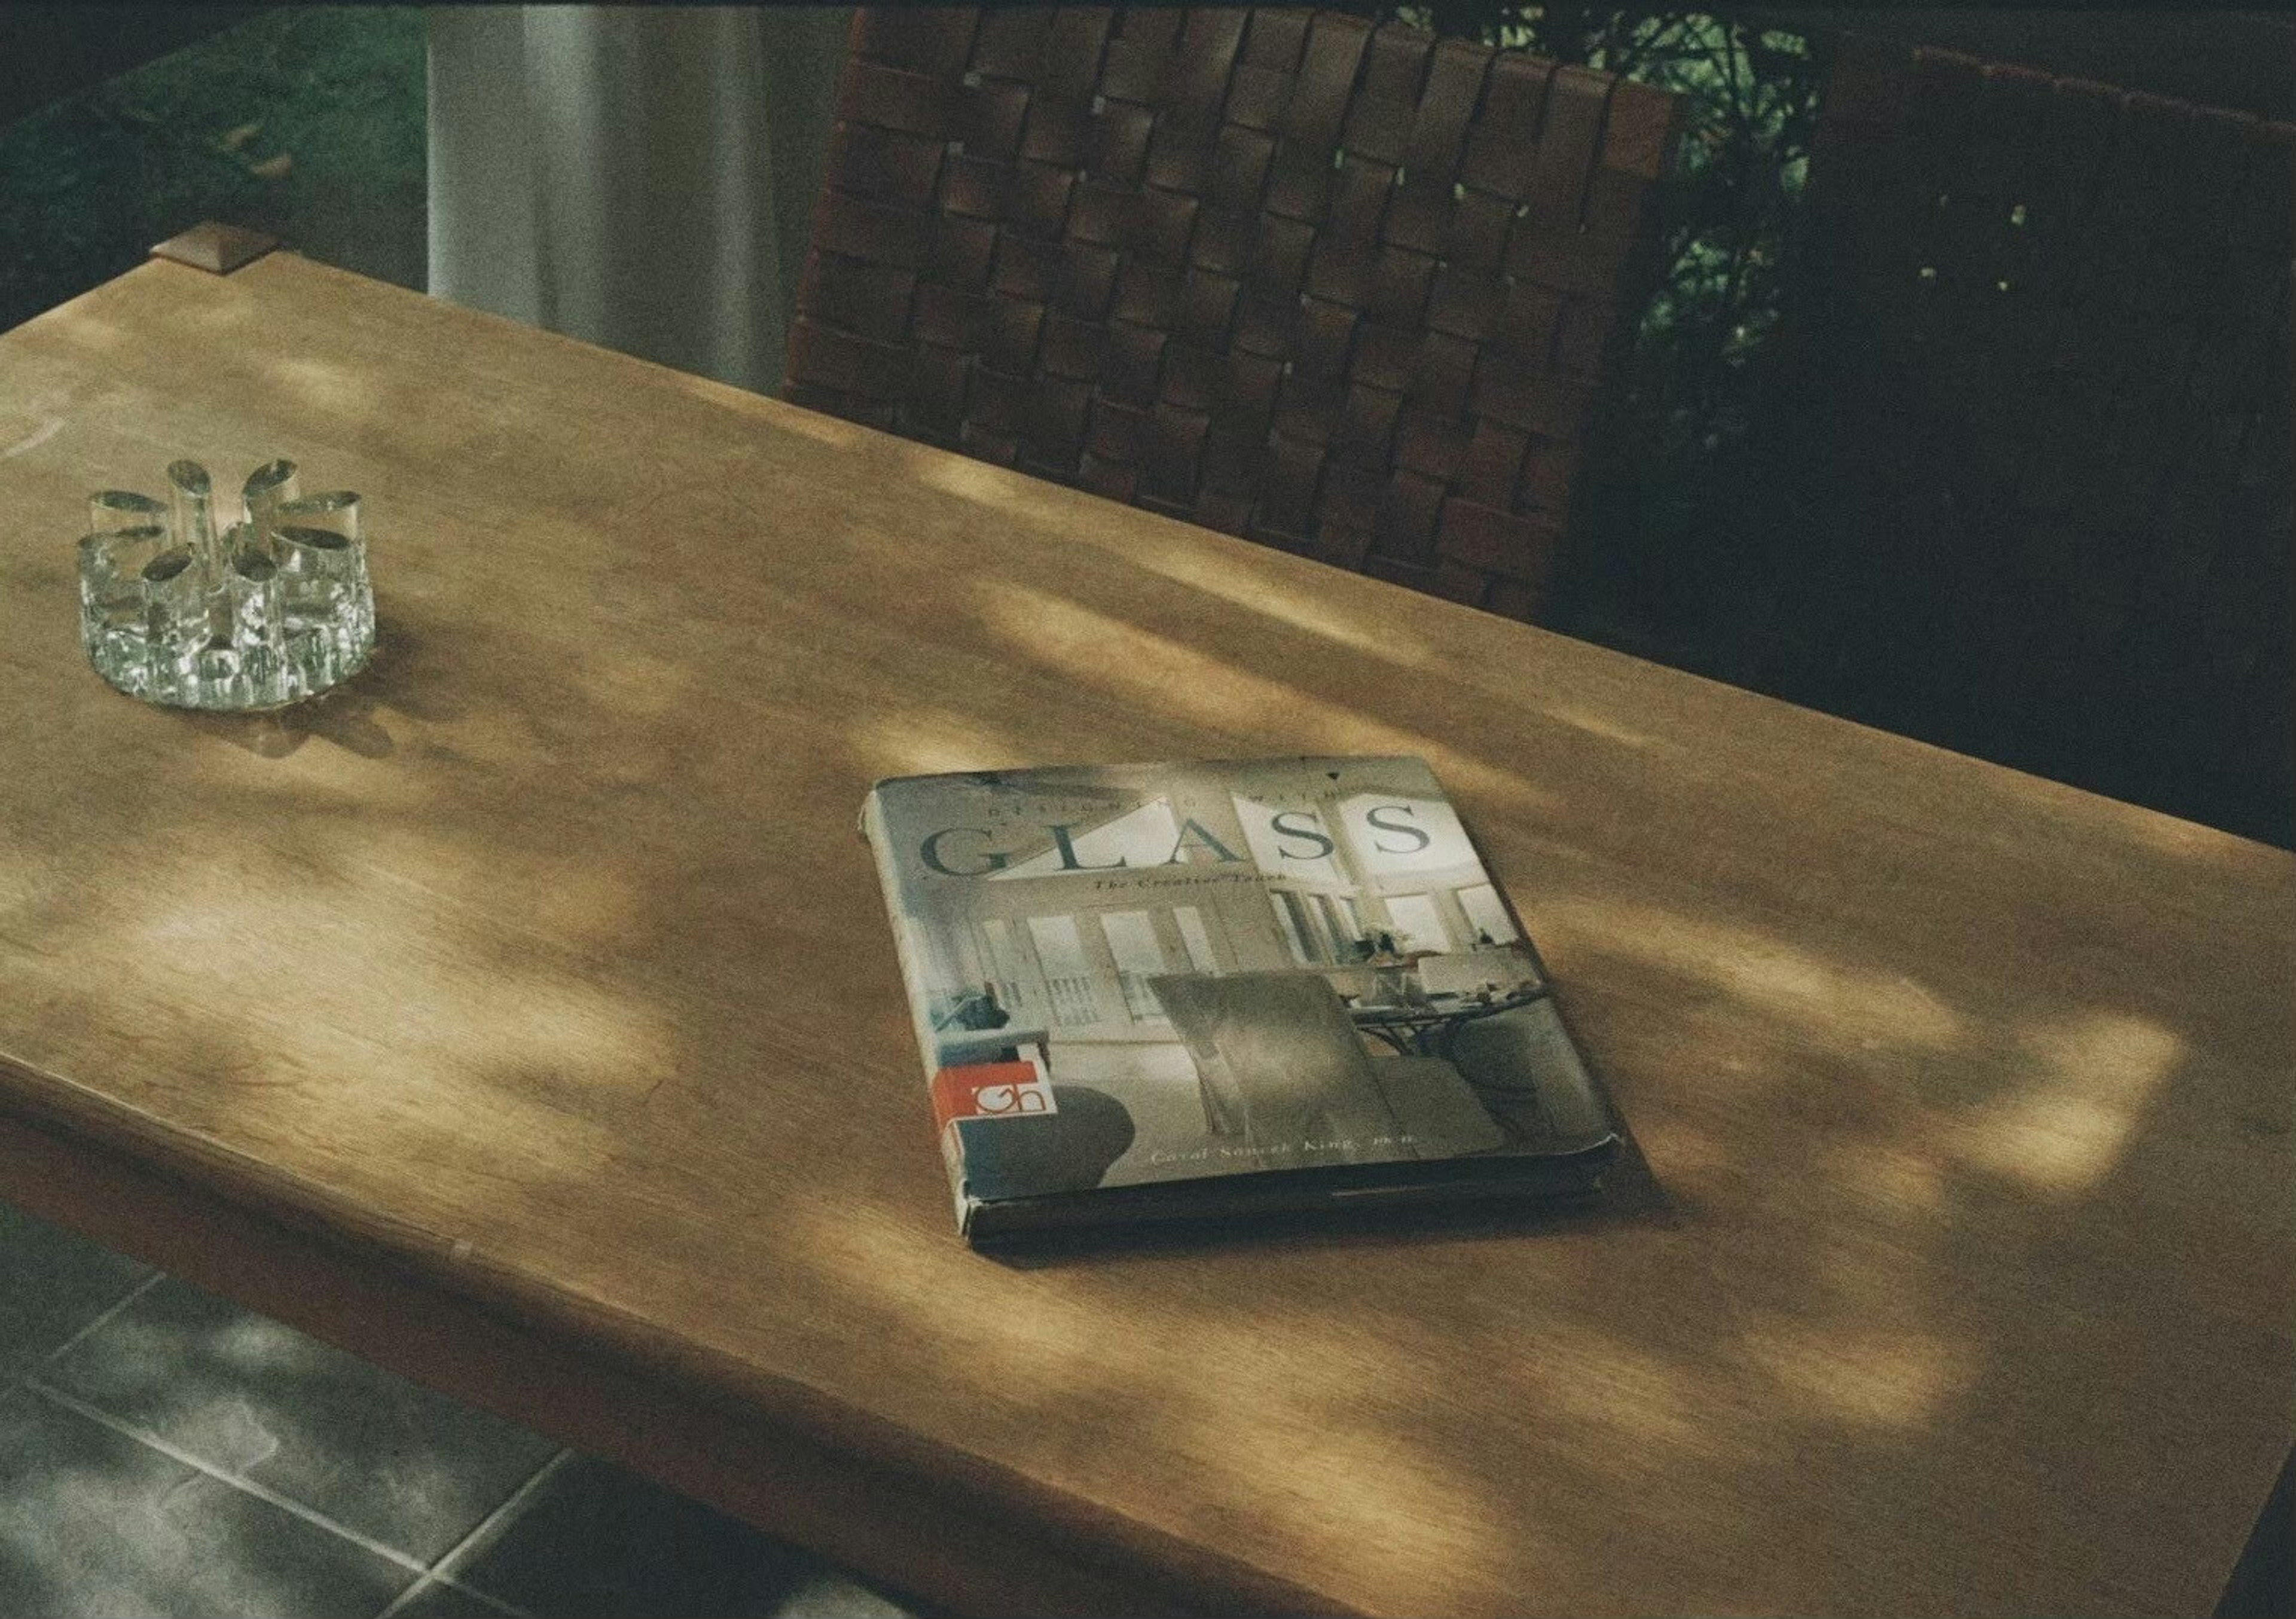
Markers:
point(2043, 346)
point(1340, 289)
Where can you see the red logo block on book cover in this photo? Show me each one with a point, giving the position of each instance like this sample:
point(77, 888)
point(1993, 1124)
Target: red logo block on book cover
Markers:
point(991, 1089)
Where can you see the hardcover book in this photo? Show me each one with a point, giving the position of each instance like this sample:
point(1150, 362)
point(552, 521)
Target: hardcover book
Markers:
point(1158, 991)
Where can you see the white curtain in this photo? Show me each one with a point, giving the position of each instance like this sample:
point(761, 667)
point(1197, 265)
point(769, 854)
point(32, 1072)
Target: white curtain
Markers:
point(638, 177)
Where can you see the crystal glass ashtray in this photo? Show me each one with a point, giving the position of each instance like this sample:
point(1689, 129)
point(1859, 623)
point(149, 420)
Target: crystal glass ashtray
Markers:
point(178, 608)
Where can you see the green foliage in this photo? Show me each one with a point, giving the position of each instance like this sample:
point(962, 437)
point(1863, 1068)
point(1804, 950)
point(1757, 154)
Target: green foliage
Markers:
point(1750, 98)
point(1671, 545)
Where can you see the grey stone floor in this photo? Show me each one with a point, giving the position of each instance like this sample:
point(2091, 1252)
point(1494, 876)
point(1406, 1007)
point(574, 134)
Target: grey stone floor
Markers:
point(164, 1452)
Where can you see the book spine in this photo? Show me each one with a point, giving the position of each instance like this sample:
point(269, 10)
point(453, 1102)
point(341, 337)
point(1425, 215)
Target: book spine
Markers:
point(888, 879)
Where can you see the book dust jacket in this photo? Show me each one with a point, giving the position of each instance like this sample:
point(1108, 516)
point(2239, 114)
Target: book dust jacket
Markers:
point(1148, 992)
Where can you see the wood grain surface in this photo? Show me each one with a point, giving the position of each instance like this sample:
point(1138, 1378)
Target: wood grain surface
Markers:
point(544, 969)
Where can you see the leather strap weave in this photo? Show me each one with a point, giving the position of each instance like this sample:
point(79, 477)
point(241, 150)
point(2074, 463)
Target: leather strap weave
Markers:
point(1342, 289)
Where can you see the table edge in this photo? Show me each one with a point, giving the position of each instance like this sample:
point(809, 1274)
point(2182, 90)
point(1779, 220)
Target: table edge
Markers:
point(946, 1496)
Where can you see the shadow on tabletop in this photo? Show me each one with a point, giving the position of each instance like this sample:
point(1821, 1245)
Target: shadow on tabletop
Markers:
point(348, 716)
point(1895, 1348)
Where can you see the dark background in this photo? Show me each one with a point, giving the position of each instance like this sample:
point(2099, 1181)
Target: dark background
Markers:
point(120, 125)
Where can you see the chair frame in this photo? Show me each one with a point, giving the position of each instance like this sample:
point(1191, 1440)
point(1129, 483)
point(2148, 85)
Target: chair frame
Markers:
point(2036, 367)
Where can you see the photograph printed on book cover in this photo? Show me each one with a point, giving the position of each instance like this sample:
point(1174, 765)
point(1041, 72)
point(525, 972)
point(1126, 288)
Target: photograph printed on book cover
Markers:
point(1124, 975)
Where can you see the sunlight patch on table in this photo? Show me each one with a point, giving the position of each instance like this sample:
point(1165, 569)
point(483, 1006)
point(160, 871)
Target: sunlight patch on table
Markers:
point(1312, 1436)
point(2264, 866)
point(567, 1028)
point(593, 1053)
point(1225, 1357)
point(881, 1263)
point(82, 330)
point(586, 903)
point(1338, 1489)
point(321, 383)
point(1763, 968)
point(1888, 1180)
point(631, 684)
point(361, 979)
point(786, 418)
point(1633, 1398)
point(1597, 724)
point(1165, 676)
point(34, 440)
point(977, 481)
point(532, 889)
point(1892, 1380)
point(1251, 581)
point(1680, 1154)
point(927, 742)
point(2092, 1076)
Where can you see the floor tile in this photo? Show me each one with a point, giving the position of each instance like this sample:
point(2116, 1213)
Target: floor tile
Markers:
point(410, 1468)
point(53, 1283)
point(827, 1594)
point(439, 1600)
point(97, 1524)
point(594, 1541)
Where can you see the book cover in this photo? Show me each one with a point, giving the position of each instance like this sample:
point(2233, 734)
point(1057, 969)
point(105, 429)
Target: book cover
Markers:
point(1147, 992)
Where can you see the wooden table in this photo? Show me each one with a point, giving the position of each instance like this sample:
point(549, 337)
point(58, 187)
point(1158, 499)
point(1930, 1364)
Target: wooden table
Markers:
point(526, 1017)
